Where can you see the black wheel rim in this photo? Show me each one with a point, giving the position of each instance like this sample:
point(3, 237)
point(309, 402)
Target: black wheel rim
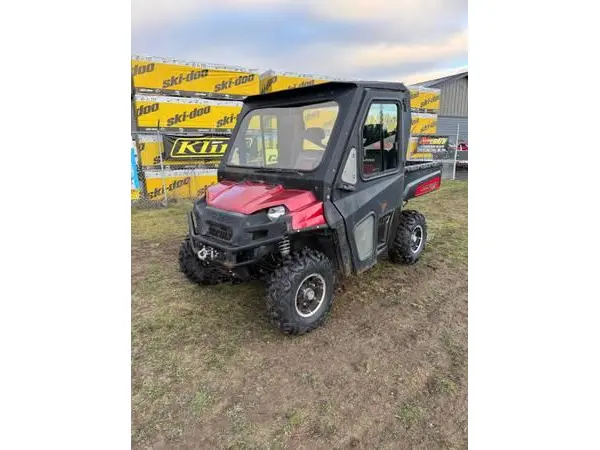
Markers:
point(416, 239)
point(310, 295)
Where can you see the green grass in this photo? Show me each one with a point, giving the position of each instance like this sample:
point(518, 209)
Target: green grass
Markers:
point(411, 413)
point(390, 364)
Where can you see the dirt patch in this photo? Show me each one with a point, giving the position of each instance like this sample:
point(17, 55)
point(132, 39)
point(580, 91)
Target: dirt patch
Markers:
point(388, 369)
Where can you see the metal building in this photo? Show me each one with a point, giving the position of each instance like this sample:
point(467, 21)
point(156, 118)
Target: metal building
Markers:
point(454, 105)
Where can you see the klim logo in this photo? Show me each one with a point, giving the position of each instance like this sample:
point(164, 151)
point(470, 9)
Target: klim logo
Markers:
point(227, 84)
point(140, 69)
point(185, 78)
point(208, 147)
point(182, 117)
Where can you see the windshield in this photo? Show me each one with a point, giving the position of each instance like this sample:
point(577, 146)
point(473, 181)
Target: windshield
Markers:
point(289, 137)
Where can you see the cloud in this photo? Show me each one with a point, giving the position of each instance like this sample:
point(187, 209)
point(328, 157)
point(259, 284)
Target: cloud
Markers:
point(388, 54)
point(354, 39)
point(148, 13)
point(418, 77)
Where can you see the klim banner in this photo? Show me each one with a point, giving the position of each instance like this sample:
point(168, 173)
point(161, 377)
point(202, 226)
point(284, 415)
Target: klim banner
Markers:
point(193, 151)
point(187, 148)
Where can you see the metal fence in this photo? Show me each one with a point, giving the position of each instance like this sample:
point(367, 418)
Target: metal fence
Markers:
point(162, 181)
point(455, 160)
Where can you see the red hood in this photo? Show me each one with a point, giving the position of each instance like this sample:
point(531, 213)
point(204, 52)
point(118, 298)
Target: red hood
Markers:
point(248, 197)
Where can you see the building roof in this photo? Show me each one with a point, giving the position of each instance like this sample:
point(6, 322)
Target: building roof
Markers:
point(438, 81)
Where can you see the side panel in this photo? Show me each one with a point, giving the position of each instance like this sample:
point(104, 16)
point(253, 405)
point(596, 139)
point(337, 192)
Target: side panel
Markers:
point(378, 199)
point(422, 179)
point(368, 206)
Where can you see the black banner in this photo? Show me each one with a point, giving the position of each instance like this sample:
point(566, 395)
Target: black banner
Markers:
point(432, 144)
point(189, 148)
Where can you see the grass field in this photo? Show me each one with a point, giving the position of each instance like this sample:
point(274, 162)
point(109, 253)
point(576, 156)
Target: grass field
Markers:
point(388, 370)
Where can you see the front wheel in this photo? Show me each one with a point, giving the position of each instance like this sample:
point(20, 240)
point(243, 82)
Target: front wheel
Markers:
point(300, 292)
point(411, 235)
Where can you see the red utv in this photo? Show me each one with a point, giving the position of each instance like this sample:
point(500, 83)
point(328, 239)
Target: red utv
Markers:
point(310, 188)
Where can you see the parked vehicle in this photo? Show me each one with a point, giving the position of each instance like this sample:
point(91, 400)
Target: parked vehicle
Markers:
point(310, 189)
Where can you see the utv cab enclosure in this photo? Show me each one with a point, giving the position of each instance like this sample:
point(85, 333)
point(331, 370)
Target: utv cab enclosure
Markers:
point(311, 188)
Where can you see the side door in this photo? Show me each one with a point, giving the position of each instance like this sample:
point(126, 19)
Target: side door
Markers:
point(369, 187)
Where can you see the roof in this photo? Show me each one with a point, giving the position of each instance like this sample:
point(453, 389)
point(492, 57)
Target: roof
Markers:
point(328, 86)
point(438, 81)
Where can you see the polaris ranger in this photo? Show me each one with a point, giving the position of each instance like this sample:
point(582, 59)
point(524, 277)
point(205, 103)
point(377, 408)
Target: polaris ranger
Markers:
point(311, 188)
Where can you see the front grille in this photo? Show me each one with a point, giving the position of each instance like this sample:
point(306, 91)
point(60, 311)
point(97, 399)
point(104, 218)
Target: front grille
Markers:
point(219, 231)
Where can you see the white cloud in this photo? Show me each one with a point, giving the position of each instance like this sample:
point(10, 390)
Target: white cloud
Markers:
point(390, 54)
point(392, 36)
point(147, 13)
point(354, 61)
point(400, 12)
point(397, 13)
point(419, 77)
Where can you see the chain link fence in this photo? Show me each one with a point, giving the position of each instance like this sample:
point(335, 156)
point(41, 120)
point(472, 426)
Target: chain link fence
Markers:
point(162, 181)
point(454, 159)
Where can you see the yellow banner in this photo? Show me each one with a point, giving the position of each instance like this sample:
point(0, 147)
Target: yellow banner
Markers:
point(271, 81)
point(180, 114)
point(178, 183)
point(425, 98)
point(423, 124)
point(411, 154)
point(171, 77)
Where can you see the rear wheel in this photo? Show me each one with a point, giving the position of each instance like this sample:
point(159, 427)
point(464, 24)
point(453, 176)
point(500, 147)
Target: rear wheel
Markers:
point(411, 235)
point(300, 292)
point(193, 269)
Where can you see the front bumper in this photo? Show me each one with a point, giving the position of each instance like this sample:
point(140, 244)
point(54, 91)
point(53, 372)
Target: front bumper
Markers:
point(250, 238)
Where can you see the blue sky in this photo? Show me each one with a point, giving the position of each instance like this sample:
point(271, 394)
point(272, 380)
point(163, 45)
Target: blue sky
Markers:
point(401, 40)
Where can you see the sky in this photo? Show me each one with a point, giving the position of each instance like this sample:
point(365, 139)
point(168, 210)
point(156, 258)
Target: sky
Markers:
point(384, 40)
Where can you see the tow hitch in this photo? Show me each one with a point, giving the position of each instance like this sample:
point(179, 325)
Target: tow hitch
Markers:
point(207, 253)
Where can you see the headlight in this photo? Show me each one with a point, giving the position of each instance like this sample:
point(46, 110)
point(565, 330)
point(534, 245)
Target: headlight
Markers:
point(275, 213)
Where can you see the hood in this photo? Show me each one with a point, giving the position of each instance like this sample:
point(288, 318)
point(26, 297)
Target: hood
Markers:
point(248, 197)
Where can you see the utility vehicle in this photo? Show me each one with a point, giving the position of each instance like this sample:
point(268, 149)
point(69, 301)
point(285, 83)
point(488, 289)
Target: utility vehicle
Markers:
point(310, 189)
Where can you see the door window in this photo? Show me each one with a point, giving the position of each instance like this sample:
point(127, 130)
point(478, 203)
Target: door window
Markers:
point(380, 152)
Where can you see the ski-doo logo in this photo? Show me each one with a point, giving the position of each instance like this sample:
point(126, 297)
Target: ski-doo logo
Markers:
point(146, 109)
point(176, 80)
point(182, 117)
point(227, 84)
point(427, 101)
point(170, 187)
point(268, 85)
point(140, 69)
point(227, 122)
